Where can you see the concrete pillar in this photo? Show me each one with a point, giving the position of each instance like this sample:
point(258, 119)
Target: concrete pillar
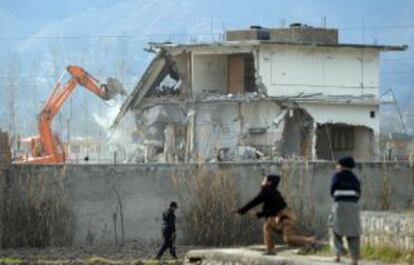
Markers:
point(313, 147)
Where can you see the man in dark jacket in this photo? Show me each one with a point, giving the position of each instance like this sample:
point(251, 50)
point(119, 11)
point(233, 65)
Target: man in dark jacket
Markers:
point(345, 220)
point(279, 218)
point(168, 231)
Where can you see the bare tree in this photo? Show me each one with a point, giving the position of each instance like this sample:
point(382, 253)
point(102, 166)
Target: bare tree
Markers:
point(11, 86)
point(34, 83)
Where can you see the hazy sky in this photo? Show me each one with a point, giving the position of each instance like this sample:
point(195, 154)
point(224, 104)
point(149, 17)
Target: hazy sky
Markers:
point(48, 34)
point(25, 17)
point(369, 21)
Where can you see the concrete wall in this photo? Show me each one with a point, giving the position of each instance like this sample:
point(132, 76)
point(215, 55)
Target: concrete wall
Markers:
point(236, 124)
point(227, 124)
point(289, 35)
point(357, 115)
point(305, 35)
point(146, 189)
point(217, 126)
point(288, 70)
point(388, 229)
point(262, 115)
point(365, 144)
point(298, 134)
point(210, 74)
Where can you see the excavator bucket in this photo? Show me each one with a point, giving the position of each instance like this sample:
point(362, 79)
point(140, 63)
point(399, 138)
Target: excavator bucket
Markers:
point(113, 88)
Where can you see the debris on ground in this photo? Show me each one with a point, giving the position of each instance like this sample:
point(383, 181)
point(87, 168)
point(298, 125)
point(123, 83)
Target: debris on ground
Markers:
point(136, 254)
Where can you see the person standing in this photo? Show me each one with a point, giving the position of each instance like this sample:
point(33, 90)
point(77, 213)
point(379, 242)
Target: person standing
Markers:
point(279, 218)
point(168, 231)
point(346, 191)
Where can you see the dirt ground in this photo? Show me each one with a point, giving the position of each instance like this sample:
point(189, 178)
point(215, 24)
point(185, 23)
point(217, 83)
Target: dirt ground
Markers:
point(128, 254)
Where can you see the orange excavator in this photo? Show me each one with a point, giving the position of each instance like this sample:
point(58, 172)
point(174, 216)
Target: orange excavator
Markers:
point(46, 148)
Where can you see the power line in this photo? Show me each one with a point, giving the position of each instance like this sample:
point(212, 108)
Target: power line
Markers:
point(379, 27)
point(98, 37)
point(397, 59)
point(19, 84)
point(27, 77)
point(144, 36)
point(56, 77)
point(397, 72)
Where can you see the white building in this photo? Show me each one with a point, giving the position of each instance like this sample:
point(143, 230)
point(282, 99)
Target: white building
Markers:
point(262, 93)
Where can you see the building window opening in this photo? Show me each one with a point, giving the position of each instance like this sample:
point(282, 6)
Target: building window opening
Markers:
point(342, 138)
point(241, 74)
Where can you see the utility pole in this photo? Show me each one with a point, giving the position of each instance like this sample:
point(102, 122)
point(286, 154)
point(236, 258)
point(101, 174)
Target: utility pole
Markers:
point(12, 126)
point(363, 31)
point(397, 106)
point(323, 24)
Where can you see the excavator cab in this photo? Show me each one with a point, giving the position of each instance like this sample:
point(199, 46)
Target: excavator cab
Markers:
point(33, 151)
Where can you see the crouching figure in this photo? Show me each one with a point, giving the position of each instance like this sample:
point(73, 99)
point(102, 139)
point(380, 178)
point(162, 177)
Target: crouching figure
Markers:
point(279, 217)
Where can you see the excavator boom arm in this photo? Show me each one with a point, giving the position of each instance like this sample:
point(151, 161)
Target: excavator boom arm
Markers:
point(60, 94)
point(57, 99)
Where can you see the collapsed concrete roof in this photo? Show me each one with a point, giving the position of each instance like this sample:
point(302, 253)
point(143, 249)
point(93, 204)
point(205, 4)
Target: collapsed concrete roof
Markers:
point(158, 68)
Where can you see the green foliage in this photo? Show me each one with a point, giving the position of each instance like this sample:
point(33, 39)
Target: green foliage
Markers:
point(387, 254)
point(369, 252)
point(10, 261)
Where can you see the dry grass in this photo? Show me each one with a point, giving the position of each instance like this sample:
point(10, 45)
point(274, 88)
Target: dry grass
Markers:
point(311, 221)
point(208, 211)
point(31, 217)
point(212, 195)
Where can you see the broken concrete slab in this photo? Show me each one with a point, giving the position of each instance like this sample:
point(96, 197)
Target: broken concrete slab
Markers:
point(159, 67)
point(254, 256)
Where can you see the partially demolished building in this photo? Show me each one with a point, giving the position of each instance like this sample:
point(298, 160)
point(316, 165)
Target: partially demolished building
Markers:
point(261, 94)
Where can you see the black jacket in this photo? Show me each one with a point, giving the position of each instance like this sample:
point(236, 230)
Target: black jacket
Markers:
point(345, 186)
point(272, 200)
point(168, 222)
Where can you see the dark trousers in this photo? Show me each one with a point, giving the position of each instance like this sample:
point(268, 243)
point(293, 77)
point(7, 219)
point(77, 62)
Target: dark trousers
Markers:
point(353, 245)
point(169, 242)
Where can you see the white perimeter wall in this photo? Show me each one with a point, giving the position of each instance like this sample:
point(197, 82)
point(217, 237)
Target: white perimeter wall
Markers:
point(290, 70)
